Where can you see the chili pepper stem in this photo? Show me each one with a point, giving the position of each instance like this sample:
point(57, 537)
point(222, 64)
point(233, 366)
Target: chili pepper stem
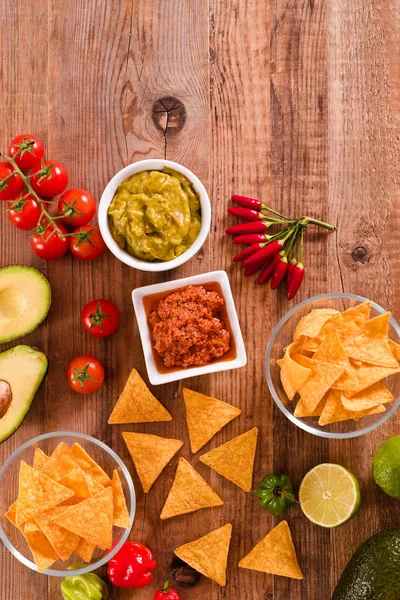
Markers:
point(311, 221)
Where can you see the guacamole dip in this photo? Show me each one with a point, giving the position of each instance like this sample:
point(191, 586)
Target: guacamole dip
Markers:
point(155, 215)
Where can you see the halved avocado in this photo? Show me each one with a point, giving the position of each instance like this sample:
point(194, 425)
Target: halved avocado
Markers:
point(22, 370)
point(25, 298)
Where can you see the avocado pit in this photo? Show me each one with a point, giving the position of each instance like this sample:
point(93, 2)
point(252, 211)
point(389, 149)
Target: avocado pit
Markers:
point(5, 397)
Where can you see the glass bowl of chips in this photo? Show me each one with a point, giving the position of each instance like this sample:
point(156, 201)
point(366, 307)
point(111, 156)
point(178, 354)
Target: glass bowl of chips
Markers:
point(332, 365)
point(67, 502)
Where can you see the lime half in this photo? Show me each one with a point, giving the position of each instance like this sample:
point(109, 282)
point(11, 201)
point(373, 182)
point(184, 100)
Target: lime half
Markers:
point(329, 495)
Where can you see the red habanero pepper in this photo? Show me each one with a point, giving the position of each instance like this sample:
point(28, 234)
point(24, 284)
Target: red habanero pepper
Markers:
point(248, 202)
point(166, 593)
point(291, 265)
point(249, 227)
point(279, 271)
point(251, 238)
point(267, 270)
point(246, 252)
point(246, 213)
point(131, 567)
point(295, 281)
point(267, 251)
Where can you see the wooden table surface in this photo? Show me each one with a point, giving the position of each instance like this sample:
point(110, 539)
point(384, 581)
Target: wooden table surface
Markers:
point(293, 101)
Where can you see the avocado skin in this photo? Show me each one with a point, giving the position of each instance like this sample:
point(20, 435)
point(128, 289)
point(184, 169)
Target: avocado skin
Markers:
point(373, 572)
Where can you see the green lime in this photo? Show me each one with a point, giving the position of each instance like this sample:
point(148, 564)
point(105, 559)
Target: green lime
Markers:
point(386, 466)
point(329, 495)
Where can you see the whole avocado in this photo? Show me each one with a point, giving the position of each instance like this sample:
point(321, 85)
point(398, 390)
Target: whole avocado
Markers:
point(373, 572)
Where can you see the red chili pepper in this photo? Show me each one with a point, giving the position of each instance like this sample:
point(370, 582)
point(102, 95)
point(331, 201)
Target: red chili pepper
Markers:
point(246, 213)
point(279, 271)
point(246, 252)
point(291, 265)
point(295, 281)
point(250, 227)
point(267, 270)
point(266, 252)
point(166, 593)
point(131, 567)
point(252, 269)
point(251, 238)
point(248, 202)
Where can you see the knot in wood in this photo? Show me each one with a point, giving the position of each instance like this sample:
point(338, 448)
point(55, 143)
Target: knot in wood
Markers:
point(360, 254)
point(169, 115)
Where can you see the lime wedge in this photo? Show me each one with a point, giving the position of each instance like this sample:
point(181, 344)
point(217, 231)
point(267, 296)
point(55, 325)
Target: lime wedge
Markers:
point(329, 495)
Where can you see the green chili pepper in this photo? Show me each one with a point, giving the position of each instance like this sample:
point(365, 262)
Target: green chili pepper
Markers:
point(84, 587)
point(276, 494)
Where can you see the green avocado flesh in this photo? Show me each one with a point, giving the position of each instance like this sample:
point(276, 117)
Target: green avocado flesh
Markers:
point(155, 215)
point(373, 573)
point(23, 368)
point(25, 297)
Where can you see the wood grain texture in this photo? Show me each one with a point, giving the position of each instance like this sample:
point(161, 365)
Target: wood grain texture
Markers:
point(295, 102)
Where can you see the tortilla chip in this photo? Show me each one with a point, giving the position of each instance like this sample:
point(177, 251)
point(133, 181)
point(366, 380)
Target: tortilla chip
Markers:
point(137, 404)
point(60, 463)
point(311, 345)
point(30, 525)
point(274, 554)
point(310, 325)
point(234, 460)
point(293, 374)
point(371, 343)
point(43, 552)
point(89, 465)
point(77, 482)
point(91, 519)
point(120, 510)
point(64, 542)
point(205, 417)
point(37, 493)
point(395, 348)
point(320, 381)
point(189, 492)
point(348, 322)
point(334, 410)
point(209, 554)
point(301, 411)
point(85, 550)
point(368, 398)
point(40, 459)
point(332, 351)
point(150, 454)
point(363, 377)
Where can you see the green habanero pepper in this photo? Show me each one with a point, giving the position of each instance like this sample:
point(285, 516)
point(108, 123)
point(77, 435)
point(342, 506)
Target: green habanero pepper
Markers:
point(276, 494)
point(84, 587)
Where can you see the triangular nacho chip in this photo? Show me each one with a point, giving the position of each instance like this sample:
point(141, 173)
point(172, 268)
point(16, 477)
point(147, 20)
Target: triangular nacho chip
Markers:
point(77, 482)
point(189, 492)
point(37, 493)
point(120, 512)
point(150, 454)
point(334, 410)
point(91, 519)
point(209, 554)
point(274, 554)
point(320, 381)
point(301, 411)
point(40, 459)
point(369, 398)
point(64, 542)
point(310, 325)
point(363, 377)
point(348, 322)
point(331, 351)
point(85, 550)
point(60, 463)
point(205, 417)
point(293, 374)
point(137, 404)
point(234, 460)
point(43, 552)
point(371, 343)
point(395, 348)
point(90, 466)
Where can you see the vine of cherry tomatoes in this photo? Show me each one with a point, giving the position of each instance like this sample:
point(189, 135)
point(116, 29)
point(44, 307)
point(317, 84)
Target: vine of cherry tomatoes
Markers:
point(27, 182)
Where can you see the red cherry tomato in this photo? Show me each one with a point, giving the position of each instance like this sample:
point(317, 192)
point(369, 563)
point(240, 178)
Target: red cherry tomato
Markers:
point(86, 242)
point(85, 374)
point(77, 207)
point(24, 212)
point(51, 178)
point(100, 318)
point(10, 185)
point(30, 151)
point(49, 244)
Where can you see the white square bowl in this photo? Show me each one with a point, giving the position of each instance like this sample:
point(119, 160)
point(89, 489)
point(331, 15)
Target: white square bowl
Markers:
point(155, 376)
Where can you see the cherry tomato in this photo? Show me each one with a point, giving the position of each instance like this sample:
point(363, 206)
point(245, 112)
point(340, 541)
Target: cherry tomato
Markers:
point(9, 188)
point(30, 151)
point(100, 318)
point(86, 242)
point(77, 207)
point(85, 374)
point(48, 244)
point(24, 212)
point(51, 178)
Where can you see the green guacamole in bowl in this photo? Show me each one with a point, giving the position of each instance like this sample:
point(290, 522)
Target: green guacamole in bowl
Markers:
point(155, 215)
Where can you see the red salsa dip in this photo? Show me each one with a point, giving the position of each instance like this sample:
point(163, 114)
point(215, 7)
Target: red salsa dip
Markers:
point(187, 328)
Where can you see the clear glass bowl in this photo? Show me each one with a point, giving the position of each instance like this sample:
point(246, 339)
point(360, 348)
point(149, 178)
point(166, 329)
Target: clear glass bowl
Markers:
point(282, 336)
point(9, 473)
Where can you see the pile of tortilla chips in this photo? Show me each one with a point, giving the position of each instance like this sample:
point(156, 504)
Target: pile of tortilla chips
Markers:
point(336, 363)
point(67, 503)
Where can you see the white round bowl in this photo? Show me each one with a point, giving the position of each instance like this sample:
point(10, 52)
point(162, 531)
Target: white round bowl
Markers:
point(155, 164)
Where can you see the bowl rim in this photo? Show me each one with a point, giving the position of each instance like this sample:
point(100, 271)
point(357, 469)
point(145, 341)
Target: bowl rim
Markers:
point(101, 561)
point(298, 422)
point(108, 194)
